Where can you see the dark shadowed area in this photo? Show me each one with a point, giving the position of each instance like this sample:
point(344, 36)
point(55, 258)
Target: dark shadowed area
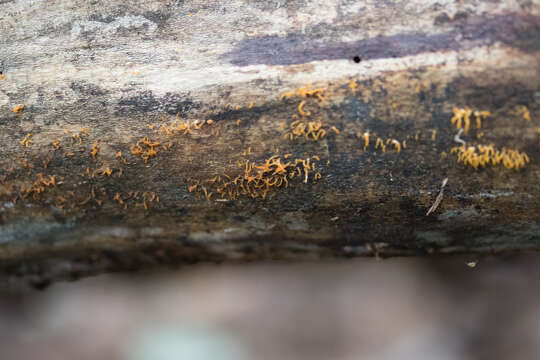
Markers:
point(401, 308)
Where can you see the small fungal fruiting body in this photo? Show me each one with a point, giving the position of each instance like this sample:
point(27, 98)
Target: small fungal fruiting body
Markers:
point(207, 195)
point(301, 109)
point(193, 187)
point(197, 125)
point(481, 115)
point(287, 94)
point(524, 111)
point(19, 108)
point(352, 85)
point(396, 144)
point(107, 171)
point(365, 136)
point(380, 143)
point(46, 162)
point(77, 138)
point(167, 130)
point(117, 197)
point(56, 145)
point(26, 141)
point(95, 150)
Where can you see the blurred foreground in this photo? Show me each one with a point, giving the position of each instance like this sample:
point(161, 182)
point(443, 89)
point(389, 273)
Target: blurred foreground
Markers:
point(409, 308)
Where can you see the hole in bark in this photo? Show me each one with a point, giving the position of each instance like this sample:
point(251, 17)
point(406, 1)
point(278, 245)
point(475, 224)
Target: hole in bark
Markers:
point(357, 59)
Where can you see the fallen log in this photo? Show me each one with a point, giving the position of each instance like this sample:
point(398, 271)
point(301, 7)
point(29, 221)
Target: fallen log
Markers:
point(179, 132)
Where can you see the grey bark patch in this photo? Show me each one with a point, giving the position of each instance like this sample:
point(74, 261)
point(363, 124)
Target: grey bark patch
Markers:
point(31, 230)
point(441, 19)
point(87, 89)
point(158, 17)
point(110, 232)
point(295, 221)
point(145, 101)
point(512, 29)
point(434, 238)
point(125, 24)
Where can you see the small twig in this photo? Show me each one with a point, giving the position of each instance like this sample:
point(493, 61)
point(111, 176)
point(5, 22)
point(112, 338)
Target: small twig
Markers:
point(439, 197)
point(458, 139)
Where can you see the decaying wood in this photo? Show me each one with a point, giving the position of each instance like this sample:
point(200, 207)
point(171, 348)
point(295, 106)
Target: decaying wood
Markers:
point(136, 134)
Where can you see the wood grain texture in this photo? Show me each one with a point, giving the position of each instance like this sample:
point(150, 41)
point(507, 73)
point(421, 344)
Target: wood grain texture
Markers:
point(97, 77)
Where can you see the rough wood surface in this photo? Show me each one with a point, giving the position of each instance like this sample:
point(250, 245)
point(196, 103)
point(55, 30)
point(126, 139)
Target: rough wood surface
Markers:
point(96, 77)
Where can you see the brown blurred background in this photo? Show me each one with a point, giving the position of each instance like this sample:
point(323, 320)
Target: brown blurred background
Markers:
point(402, 308)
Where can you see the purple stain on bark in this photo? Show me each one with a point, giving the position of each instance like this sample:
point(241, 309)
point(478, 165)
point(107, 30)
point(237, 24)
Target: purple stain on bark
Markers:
point(517, 30)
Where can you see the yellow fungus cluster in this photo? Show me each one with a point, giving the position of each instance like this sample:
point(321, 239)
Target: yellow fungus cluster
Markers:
point(145, 148)
point(79, 137)
point(310, 130)
point(462, 118)
point(184, 127)
point(381, 143)
point(147, 198)
point(304, 92)
point(301, 126)
point(256, 180)
point(38, 186)
point(487, 155)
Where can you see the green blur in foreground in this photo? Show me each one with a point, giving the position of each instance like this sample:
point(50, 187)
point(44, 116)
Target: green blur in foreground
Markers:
point(178, 343)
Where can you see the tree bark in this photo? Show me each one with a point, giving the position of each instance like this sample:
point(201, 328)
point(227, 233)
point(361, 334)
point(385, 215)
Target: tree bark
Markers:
point(86, 188)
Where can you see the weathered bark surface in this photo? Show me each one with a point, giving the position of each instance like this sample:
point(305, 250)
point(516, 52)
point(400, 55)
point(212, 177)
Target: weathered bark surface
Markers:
point(120, 68)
